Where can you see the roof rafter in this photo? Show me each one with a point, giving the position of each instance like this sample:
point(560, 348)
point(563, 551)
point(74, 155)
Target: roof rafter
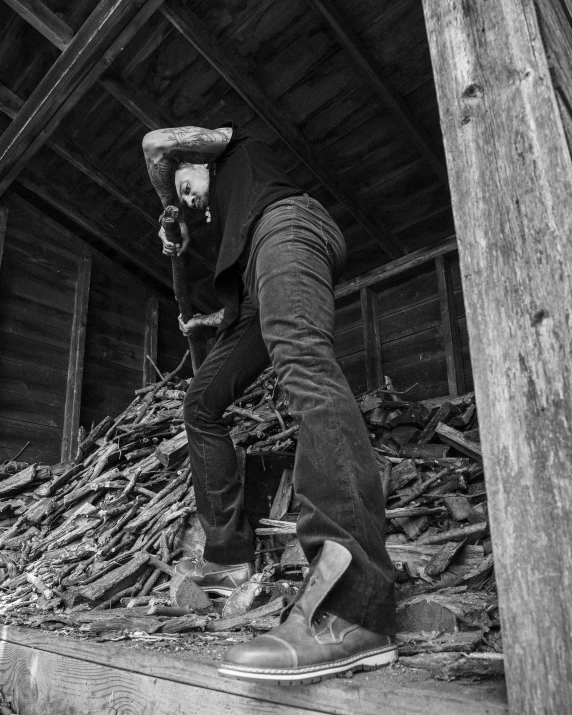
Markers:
point(195, 32)
point(44, 20)
point(104, 34)
point(406, 121)
point(60, 35)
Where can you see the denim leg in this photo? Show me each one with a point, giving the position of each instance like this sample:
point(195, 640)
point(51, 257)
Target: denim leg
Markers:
point(236, 360)
point(295, 253)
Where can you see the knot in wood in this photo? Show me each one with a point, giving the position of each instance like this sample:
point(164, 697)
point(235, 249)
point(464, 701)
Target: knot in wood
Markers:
point(473, 91)
point(539, 316)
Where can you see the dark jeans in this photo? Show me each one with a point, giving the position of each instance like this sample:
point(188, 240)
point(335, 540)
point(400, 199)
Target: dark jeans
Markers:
point(297, 252)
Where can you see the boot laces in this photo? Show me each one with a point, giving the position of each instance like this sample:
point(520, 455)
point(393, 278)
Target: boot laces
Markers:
point(319, 617)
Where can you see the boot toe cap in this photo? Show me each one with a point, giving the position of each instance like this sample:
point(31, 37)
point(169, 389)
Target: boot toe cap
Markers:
point(266, 651)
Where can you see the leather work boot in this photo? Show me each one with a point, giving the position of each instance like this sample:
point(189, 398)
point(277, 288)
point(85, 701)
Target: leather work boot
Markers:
point(216, 577)
point(310, 644)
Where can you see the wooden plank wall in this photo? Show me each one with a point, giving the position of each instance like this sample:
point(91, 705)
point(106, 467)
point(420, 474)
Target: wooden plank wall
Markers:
point(41, 269)
point(37, 293)
point(113, 366)
point(411, 332)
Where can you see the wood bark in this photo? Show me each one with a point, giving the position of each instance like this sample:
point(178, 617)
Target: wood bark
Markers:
point(456, 439)
point(511, 185)
point(75, 365)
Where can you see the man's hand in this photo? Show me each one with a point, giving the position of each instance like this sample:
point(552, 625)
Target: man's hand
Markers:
point(173, 249)
point(199, 324)
point(195, 327)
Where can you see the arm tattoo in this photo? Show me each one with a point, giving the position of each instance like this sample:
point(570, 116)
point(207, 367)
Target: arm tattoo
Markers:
point(162, 175)
point(192, 143)
point(214, 319)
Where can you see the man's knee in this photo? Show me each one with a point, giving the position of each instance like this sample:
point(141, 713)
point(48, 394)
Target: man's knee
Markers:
point(198, 409)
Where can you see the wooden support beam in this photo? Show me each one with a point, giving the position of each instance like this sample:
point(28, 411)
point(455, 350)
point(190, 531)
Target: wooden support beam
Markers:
point(135, 101)
point(449, 326)
point(406, 121)
point(555, 21)
point(102, 37)
point(372, 339)
point(3, 222)
point(44, 20)
point(195, 32)
point(510, 173)
point(150, 341)
point(412, 260)
point(75, 365)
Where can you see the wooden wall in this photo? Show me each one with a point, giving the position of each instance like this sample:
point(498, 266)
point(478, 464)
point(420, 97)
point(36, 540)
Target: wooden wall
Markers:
point(113, 366)
point(411, 330)
point(37, 290)
point(40, 271)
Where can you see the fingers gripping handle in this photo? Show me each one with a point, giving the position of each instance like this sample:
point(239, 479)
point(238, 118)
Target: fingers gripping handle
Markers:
point(170, 222)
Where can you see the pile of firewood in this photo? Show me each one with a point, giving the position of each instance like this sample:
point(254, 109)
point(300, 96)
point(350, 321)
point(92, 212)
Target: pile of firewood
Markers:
point(92, 544)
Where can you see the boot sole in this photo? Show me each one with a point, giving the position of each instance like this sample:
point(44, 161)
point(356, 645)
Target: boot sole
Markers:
point(373, 660)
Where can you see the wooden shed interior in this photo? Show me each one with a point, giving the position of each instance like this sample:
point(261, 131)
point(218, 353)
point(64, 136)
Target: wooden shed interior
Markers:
point(346, 93)
point(342, 91)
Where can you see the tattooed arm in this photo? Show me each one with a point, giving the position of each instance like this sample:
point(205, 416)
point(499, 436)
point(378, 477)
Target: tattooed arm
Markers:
point(195, 326)
point(165, 149)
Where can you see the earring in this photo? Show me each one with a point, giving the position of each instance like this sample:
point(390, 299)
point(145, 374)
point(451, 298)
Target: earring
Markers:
point(208, 214)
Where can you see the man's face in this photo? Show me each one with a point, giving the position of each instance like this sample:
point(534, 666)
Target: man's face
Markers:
point(192, 185)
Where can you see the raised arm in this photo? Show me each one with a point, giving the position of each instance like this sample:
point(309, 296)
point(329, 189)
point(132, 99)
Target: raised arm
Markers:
point(165, 149)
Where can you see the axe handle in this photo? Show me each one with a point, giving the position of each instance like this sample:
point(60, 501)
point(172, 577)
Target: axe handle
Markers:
point(182, 283)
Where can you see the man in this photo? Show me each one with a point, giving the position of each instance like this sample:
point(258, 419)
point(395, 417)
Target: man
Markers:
point(279, 253)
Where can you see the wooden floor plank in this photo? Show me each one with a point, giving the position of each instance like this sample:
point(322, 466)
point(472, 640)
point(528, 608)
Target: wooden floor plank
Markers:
point(53, 675)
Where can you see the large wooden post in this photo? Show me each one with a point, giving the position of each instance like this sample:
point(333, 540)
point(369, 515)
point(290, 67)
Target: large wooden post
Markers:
point(511, 181)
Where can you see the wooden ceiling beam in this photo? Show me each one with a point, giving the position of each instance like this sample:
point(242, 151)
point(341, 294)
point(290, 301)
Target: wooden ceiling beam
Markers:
point(406, 121)
point(195, 32)
point(122, 90)
point(44, 20)
point(136, 101)
point(94, 47)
